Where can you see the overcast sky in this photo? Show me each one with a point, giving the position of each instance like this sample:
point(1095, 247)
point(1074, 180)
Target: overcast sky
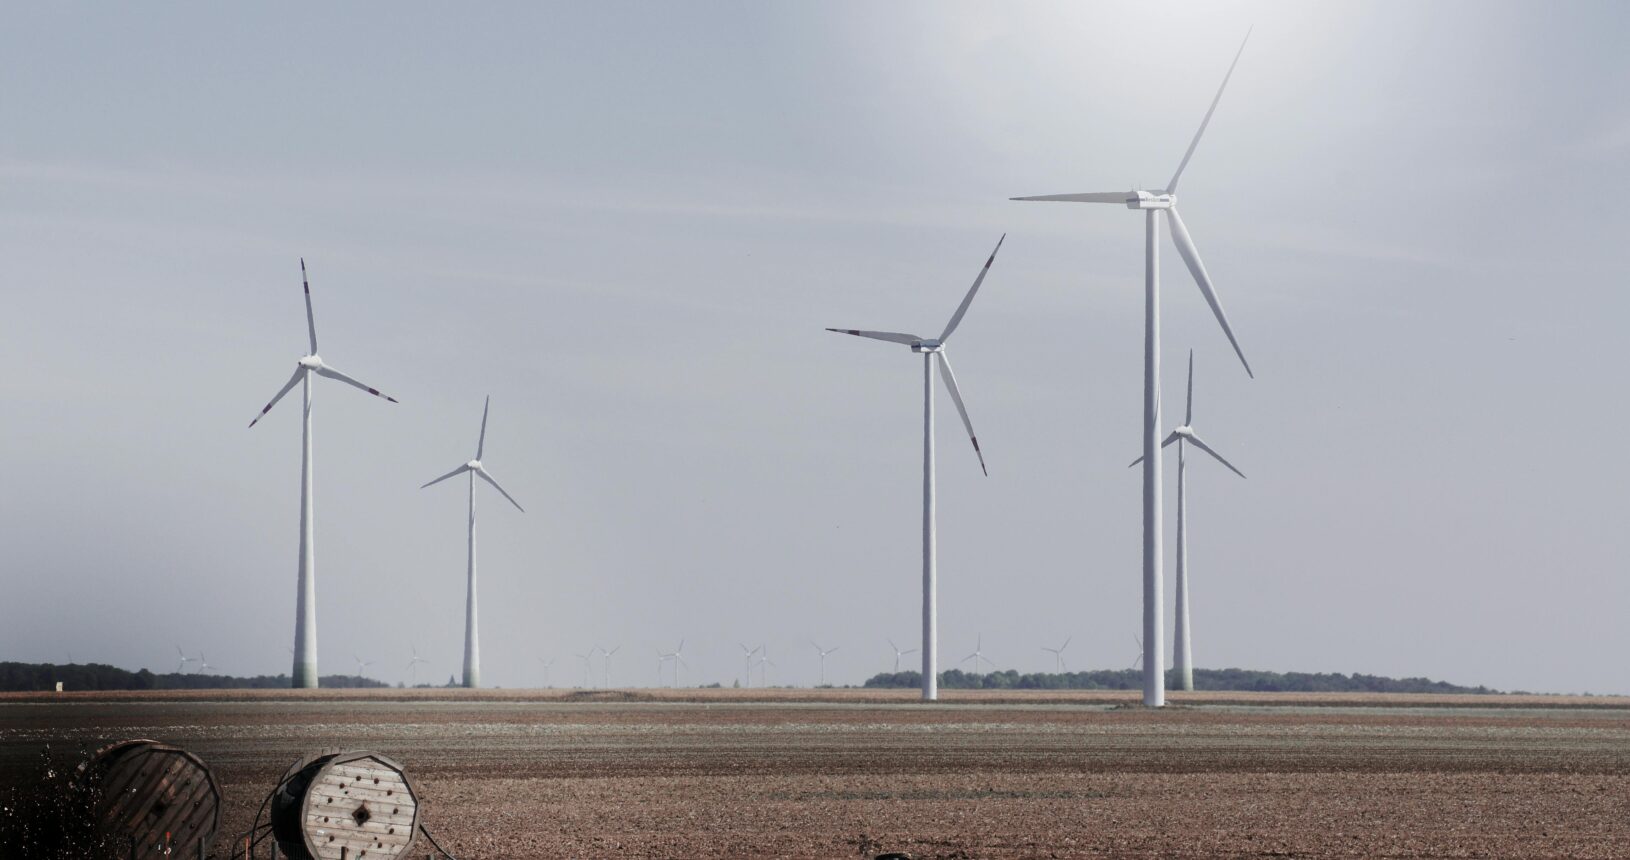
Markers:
point(629, 224)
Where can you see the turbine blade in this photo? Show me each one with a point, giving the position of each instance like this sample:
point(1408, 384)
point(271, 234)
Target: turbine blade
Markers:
point(311, 321)
point(482, 444)
point(956, 318)
point(1170, 438)
point(293, 380)
point(459, 471)
point(956, 397)
point(1195, 441)
point(1185, 247)
point(1119, 197)
point(1188, 414)
point(894, 336)
point(331, 373)
point(484, 476)
point(1171, 187)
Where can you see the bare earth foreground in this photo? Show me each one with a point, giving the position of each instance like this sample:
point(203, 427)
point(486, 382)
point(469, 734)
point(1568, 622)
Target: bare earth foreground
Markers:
point(536, 774)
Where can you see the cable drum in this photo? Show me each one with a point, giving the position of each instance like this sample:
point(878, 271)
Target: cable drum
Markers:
point(153, 799)
point(344, 805)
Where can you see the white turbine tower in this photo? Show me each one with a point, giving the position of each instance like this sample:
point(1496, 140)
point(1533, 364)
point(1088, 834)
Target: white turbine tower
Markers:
point(413, 665)
point(898, 654)
point(606, 657)
point(1184, 663)
point(1058, 653)
point(472, 631)
point(747, 663)
point(305, 614)
point(588, 660)
point(823, 652)
point(930, 348)
point(1153, 203)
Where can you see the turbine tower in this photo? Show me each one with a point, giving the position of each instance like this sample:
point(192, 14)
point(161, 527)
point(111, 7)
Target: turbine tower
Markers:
point(305, 613)
point(1185, 434)
point(930, 348)
point(1152, 203)
point(606, 658)
point(413, 665)
point(747, 663)
point(472, 632)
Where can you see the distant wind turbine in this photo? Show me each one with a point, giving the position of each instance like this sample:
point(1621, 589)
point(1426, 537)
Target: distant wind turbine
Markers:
point(765, 664)
point(361, 664)
point(930, 348)
point(823, 652)
point(413, 665)
point(182, 666)
point(606, 657)
point(677, 655)
point(1185, 434)
point(203, 664)
point(898, 654)
point(1139, 661)
point(1058, 653)
point(305, 618)
point(472, 634)
point(979, 655)
point(587, 660)
point(747, 663)
point(1152, 203)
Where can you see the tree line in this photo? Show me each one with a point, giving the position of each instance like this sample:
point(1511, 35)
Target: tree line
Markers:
point(42, 677)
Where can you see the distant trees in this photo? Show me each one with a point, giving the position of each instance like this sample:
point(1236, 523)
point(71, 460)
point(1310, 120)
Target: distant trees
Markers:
point(43, 677)
point(1251, 680)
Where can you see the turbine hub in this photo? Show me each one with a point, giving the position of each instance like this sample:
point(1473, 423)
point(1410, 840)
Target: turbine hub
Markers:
point(311, 362)
point(929, 345)
point(1184, 431)
point(473, 464)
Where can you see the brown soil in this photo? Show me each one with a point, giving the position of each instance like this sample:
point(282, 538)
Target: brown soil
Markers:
point(535, 774)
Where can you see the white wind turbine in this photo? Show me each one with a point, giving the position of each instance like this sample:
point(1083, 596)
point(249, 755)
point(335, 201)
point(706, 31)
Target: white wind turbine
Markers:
point(182, 666)
point(305, 617)
point(930, 348)
point(588, 660)
point(546, 664)
point(606, 658)
point(747, 663)
point(1058, 653)
point(361, 664)
point(765, 664)
point(413, 665)
point(823, 652)
point(203, 664)
point(677, 655)
point(979, 655)
point(898, 654)
point(1184, 659)
point(472, 632)
point(1139, 660)
point(1153, 203)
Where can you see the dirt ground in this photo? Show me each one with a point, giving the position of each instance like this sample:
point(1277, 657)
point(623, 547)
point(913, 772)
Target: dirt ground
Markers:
point(834, 773)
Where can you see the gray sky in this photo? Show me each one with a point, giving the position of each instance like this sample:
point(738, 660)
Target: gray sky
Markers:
point(629, 224)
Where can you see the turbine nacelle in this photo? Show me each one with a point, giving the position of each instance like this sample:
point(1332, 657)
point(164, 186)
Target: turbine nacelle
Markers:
point(1150, 200)
point(1184, 431)
point(311, 362)
point(926, 345)
point(473, 465)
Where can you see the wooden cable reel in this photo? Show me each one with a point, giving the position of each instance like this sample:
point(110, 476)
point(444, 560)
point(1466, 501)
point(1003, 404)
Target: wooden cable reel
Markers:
point(344, 805)
point(155, 799)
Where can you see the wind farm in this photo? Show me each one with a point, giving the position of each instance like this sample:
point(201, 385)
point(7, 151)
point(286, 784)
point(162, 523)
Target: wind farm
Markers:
point(744, 610)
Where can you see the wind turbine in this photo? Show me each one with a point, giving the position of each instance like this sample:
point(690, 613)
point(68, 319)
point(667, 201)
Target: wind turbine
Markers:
point(747, 663)
point(182, 666)
point(361, 664)
point(898, 654)
point(203, 664)
point(979, 654)
point(607, 655)
point(472, 632)
point(587, 659)
point(1058, 653)
point(1139, 661)
point(823, 652)
point(413, 665)
point(1152, 203)
point(677, 655)
point(765, 664)
point(546, 664)
point(930, 348)
point(1185, 434)
point(305, 613)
